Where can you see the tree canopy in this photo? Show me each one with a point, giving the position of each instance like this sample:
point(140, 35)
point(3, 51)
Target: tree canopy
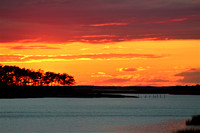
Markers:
point(13, 75)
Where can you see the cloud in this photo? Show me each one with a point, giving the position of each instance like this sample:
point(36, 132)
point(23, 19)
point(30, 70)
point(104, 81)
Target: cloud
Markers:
point(114, 80)
point(10, 58)
point(190, 76)
point(133, 69)
point(158, 80)
point(31, 47)
point(61, 21)
point(100, 74)
point(170, 20)
point(123, 79)
point(36, 58)
point(127, 69)
point(112, 55)
point(97, 36)
point(108, 24)
point(117, 80)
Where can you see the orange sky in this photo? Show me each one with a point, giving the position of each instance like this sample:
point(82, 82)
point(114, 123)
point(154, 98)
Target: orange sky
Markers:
point(120, 63)
point(122, 42)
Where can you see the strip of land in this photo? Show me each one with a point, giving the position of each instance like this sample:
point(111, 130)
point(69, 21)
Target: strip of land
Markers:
point(92, 91)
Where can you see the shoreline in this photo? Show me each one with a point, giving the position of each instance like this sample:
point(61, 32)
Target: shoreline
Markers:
point(92, 91)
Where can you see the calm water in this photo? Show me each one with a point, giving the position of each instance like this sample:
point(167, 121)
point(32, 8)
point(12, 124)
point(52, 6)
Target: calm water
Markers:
point(97, 115)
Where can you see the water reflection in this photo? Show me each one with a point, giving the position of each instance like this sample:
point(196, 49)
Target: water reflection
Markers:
point(97, 115)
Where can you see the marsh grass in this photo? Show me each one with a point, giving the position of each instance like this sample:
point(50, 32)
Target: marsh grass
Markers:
point(188, 131)
point(194, 121)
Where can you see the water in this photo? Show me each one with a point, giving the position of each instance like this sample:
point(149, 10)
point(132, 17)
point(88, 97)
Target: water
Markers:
point(97, 115)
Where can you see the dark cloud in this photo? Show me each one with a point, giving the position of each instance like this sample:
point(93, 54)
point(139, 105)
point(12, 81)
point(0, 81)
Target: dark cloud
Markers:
point(68, 20)
point(190, 76)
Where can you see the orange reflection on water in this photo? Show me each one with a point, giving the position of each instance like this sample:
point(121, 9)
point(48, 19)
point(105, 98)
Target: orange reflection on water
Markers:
point(167, 126)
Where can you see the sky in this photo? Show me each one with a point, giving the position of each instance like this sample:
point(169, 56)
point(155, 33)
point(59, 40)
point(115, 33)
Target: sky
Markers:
point(105, 42)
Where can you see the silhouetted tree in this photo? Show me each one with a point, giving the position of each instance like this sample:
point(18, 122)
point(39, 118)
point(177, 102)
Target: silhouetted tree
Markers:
point(13, 75)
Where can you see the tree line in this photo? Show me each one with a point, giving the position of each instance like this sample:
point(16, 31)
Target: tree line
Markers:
point(13, 75)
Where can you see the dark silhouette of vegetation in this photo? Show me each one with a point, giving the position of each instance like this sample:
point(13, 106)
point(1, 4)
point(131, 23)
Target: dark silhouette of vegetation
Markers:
point(188, 131)
point(194, 121)
point(15, 76)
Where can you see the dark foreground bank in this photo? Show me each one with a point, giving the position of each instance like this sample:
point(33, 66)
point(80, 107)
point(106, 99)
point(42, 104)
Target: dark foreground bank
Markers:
point(195, 122)
point(92, 91)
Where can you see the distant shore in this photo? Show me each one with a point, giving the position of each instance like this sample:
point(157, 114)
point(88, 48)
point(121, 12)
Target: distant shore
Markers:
point(92, 91)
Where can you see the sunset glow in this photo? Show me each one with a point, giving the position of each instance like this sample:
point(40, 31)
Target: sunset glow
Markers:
point(121, 42)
